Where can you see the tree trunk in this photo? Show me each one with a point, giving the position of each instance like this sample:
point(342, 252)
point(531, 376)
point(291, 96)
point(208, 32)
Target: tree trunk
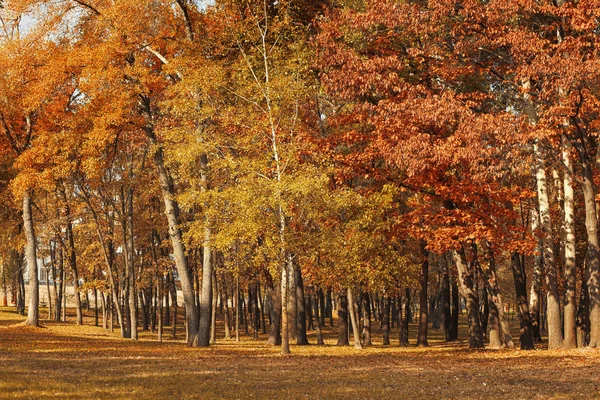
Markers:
point(285, 337)
point(343, 320)
point(301, 338)
point(593, 254)
point(519, 278)
point(206, 294)
point(31, 257)
point(570, 306)
point(385, 320)
point(455, 310)
point(404, 327)
point(446, 299)
point(555, 338)
point(318, 314)
point(353, 320)
point(583, 315)
point(423, 280)
point(366, 319)
point(172, 214)
point(491, 281)
point(465, 278)
point(495, 342)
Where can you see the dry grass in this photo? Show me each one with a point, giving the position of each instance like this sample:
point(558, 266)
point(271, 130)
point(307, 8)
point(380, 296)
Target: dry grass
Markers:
point(67, 361)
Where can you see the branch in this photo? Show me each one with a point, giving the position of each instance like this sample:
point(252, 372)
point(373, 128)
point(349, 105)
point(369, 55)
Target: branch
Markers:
point(88, 6)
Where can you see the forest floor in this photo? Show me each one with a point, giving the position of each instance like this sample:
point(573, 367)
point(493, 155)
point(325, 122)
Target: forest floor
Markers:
point(63, 360)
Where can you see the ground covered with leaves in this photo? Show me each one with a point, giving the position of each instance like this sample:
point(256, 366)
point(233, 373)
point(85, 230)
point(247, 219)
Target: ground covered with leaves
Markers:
point(67, 361)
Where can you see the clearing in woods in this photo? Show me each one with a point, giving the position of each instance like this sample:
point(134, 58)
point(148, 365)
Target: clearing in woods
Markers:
point(67, 361)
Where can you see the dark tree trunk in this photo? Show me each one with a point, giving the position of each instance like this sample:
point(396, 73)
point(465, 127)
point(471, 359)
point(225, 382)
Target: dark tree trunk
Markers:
point(518, 270)
point(583, 315)
point(274, 298)
point(301, 338)
point(423, 315)
point(455, 310)
point(329, 307)
point(485, 311)
point(385, 320)
point(404, 329)
point(446, 300)
point(318, 315)
point(366, 319)
point(466, 282)
point(343, 320)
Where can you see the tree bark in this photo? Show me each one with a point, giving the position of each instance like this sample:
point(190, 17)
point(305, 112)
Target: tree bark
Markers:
point(385, 320)
point(353, 320)
point(206, 294)
point(465, 278)
point(423, 315)
point(172, 213)
point(31, 257)
point(343, 320)
point(366, 319)
point(570, 306)
point(555, 337)
point(301, 338)
point(593, 253)
point(519, 278)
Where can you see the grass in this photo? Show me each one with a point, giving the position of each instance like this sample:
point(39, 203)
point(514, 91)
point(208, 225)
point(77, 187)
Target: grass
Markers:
point(67, 361)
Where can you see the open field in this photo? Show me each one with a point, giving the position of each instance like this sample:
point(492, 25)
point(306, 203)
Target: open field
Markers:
point(67, 361)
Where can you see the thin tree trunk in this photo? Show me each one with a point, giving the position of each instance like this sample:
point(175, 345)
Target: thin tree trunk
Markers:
point(318, 319)
point(366, 319)
point(423, 315)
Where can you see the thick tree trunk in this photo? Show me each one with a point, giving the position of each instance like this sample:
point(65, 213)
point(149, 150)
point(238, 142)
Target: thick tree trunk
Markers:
point(133, 312)
point(343, 320)
point(536, 281)
point(593, 253)
point(292, 302)
point(285, 337)
point(301, 338)
point(353, 320)
point(172, 214)
point(206, 294)
point(519, 278)
point(385, 320)
point(555, 337)
point(491, 281)
point(570, 306)
point(465, 278)
point(31, 258)
point(583, 315)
